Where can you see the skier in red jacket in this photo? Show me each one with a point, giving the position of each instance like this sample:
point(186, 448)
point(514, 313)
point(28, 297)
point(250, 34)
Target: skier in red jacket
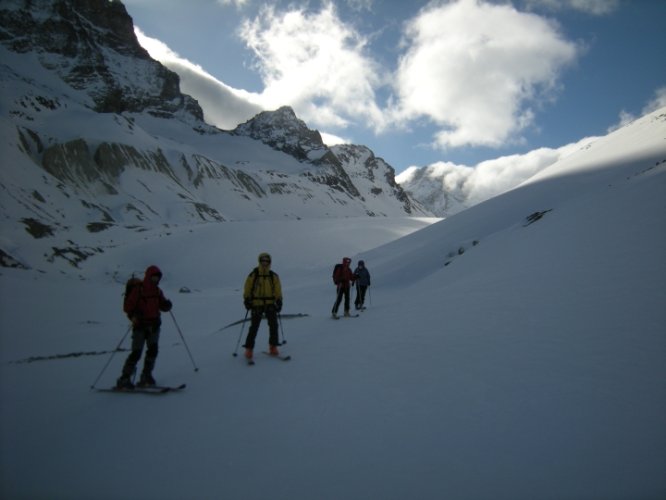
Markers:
point(143, 306)
point(343, 277)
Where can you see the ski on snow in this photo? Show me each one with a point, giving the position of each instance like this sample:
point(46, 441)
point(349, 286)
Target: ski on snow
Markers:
point(279, 356)
point(154, 389)
point(350, 316)
point(250, 362)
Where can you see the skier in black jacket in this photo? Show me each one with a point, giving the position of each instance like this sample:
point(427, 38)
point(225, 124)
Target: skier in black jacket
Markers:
point(362, 280)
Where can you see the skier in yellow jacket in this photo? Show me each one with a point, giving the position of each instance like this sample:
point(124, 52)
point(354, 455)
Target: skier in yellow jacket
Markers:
point(262, 294)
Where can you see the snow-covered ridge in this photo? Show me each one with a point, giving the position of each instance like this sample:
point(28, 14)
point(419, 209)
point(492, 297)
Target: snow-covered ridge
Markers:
point(97, 135)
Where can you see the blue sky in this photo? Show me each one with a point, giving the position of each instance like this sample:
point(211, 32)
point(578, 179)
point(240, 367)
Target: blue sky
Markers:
point(419, 82)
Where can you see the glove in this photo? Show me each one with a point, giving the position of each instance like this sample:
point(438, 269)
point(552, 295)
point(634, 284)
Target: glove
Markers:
point(248, 304)
point(167, 306)
point(278, 305)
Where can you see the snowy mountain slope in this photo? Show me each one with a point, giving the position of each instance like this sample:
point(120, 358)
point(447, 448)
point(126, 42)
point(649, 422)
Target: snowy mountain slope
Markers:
point(528, 365)
point(638, 149)
point(97, 135)
point(446, 189)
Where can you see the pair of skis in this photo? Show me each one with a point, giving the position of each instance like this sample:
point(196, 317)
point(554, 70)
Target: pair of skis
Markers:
point(147, 389)
point(348, 316)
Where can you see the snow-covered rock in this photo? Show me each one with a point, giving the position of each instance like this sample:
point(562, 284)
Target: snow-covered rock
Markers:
point(96, 134)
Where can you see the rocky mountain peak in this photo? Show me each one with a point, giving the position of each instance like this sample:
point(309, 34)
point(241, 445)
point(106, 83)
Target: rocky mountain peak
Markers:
point(91, 45)
point(283, 130)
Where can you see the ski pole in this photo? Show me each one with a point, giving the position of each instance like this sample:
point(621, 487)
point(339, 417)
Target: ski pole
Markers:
point(284, 341)
point(111, 357)
point(196, 369)
point(241, 332)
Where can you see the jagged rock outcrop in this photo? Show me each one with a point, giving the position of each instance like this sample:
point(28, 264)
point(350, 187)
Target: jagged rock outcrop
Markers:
point(283, 130)
point(341, 165)
point(377, 172)
point(88, 43)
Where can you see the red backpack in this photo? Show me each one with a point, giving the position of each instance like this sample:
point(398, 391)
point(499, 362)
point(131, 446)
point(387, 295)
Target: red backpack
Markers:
point(131, 284)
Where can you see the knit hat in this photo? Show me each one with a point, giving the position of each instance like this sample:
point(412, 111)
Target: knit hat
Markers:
point(264, 256)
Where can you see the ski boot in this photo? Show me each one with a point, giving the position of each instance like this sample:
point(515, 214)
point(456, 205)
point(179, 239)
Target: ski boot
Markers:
point(124, 382)
point(146, 380)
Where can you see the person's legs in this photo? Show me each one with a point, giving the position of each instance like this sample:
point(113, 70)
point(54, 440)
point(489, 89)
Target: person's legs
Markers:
point(271, 316)
point(152, 343)
point(138, 339)
point(338, 299)
point(255, 320)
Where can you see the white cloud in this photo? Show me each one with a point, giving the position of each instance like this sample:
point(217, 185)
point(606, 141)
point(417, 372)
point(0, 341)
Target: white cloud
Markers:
point(470, 185)
point(224, 106)
point(625, 119)
point(333, 140)
point(360, 5)
point(316, 64)
point(474, 69)
point(657, 102)
point(238, 3)
point(492, 177)
point(594, 7)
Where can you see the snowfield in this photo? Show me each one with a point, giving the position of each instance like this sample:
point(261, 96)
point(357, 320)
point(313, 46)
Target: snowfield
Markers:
point(514, 351)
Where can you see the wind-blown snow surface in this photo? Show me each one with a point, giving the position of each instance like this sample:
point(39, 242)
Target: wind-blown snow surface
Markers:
point(498, 358)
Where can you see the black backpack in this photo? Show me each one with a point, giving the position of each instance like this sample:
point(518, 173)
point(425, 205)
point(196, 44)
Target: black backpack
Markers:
point(255, 275)
point(336, 273)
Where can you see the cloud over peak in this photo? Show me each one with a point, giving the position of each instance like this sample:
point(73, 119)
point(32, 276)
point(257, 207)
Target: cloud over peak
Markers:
point(472, 71)
point(315, 63)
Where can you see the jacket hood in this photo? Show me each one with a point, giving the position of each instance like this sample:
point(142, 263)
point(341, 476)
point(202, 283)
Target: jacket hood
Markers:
point(153, 271)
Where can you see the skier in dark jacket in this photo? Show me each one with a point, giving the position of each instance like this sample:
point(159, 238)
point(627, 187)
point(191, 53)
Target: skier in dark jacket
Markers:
point(342, 278)
point(143, 307)
point(362, 276)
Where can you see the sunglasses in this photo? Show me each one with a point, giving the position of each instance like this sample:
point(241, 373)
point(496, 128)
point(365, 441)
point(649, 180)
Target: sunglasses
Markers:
point(265, 261)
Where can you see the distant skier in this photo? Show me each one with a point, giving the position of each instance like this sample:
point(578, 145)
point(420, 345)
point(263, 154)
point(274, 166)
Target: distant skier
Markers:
point(362, 276)
point(262, 294)
point(342, 278)
point(142, 305)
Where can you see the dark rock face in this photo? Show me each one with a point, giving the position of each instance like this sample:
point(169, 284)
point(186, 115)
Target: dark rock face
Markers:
point(282, 130)
point(91, 45)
